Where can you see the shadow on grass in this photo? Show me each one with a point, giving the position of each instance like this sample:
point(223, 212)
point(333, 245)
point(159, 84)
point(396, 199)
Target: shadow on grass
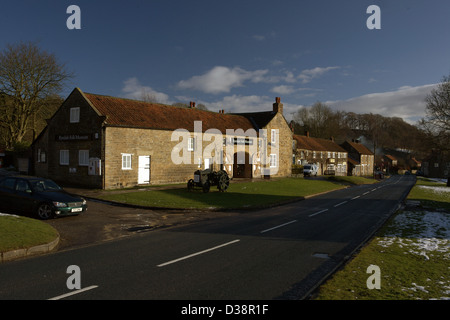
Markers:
point(184, 199)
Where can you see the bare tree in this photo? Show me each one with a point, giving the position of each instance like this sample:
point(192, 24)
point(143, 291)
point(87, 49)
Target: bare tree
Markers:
point(28, 76)
point(437, 120)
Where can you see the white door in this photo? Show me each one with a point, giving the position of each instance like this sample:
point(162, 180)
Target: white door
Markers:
point(144, 170)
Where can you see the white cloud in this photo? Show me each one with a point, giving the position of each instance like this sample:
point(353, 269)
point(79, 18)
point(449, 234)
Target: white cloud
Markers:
point(309, 74)
point(239, 103)
point(133, 89)
point(222, 79)
point(405, 102)
point(283, 89)
point(262, 37)
point(253, 103)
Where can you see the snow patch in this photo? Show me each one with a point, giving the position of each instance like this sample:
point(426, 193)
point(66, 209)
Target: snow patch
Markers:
point(8, 215)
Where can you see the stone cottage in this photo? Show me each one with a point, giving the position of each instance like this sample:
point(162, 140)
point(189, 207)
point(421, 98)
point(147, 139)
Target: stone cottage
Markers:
point(361, 159)
point(106, 142)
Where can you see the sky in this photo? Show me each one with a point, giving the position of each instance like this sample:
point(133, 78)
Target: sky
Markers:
point(240, 55)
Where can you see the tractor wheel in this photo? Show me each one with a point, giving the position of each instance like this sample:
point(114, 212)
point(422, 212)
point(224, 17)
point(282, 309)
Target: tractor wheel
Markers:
point(190, 185)
point(224, 182)
point(206, 187)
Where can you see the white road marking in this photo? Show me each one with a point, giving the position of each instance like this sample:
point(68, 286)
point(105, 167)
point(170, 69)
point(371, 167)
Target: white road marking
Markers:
point(340, 204)
point(73, 293)
point(197, 253)
point(355, 197)
point(312, 215)
point(281, 225)
point(366, 193)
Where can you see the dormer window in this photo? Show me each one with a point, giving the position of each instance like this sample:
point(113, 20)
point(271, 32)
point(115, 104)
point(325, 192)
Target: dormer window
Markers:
point(75, 115)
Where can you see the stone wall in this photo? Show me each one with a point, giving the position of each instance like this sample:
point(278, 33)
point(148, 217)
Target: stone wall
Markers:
point(61, 134)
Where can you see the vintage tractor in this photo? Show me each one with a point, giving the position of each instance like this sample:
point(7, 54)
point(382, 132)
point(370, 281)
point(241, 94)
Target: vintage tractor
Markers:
point(207, 178)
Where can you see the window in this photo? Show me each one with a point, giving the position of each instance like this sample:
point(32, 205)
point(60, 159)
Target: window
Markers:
point(126, 161)
point(64, 157)
point(75, 115)
point(273, 161)
point(8, 183)
point(273, 136)
point(191, 144)
point(83, 157)
point(41, 156)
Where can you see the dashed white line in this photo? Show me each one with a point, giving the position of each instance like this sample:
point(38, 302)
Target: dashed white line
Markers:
point(340, 204)
point(73, 293)
point(312, 215)
point(366, 193)
point(281, 225)
point(197, 253)
point(355, 197)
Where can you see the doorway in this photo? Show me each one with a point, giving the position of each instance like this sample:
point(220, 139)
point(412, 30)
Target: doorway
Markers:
point(144, 170)
point(242, 168)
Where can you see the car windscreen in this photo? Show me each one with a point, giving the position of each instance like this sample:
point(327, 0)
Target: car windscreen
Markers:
point(44, 185)
point(307, 167)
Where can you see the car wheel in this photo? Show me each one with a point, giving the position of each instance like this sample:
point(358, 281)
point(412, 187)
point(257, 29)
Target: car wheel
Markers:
point(44, 211)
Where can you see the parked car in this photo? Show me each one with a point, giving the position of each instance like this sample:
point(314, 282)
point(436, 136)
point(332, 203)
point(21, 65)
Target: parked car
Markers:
point(42, 197)
point(310, 170)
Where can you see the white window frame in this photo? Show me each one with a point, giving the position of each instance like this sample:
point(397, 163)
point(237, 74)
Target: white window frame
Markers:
point(64, 157)
point(273, 136)
point(273, 160)
point(191, 144)
point(83, 158)
point(126, 161)
point(75, 115)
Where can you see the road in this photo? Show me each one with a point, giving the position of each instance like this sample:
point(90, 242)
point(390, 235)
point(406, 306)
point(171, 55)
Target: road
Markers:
point(275, 253)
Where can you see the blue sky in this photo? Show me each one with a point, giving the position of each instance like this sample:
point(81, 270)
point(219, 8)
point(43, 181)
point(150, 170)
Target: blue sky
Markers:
point(240, 55)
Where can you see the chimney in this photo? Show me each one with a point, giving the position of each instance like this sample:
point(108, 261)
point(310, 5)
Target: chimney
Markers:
point(332, 138)
point(307, 133)
point(192, 104)
point(278, 106)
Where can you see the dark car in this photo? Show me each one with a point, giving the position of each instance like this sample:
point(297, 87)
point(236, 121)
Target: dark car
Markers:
point(42, 197)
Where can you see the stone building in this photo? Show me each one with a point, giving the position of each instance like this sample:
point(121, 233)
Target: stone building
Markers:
point(107, 142)
point(361, 159)
point(330, 158)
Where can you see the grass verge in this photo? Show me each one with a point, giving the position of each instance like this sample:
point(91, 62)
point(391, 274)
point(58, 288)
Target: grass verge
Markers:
point(412, 251)
point(239, 195)
point(22, 232)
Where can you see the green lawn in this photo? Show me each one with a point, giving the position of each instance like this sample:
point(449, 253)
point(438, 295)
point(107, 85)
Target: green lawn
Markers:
point(239, 195)
point(431, 193)
point(411, 250)
point(21, 232)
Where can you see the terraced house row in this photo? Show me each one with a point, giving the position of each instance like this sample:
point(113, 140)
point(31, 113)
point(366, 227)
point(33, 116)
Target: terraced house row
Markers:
point(105, 142)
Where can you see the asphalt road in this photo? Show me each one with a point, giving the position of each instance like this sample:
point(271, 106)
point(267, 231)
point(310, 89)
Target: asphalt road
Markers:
point(276, 253)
